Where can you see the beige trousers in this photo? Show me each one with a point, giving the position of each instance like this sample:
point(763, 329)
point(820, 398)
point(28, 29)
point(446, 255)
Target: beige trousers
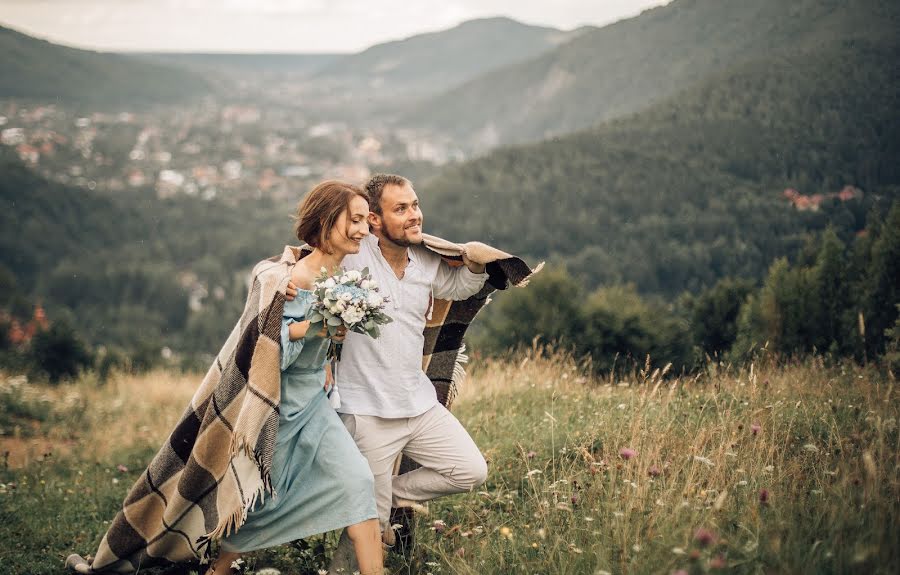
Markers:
point(436, 440)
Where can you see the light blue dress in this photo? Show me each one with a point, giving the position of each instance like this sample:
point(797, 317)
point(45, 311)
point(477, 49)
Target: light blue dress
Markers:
point(321, 480)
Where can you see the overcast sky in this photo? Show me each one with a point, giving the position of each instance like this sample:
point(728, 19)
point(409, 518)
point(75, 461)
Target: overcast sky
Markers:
point(281, 25)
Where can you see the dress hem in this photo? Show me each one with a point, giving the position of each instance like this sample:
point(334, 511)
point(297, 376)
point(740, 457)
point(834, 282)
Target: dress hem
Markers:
point(339, 524)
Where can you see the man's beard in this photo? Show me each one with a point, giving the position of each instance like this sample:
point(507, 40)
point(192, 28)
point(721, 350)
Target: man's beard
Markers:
point(401, 241)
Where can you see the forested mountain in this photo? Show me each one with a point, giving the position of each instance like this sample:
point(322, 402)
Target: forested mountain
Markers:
point(289, 64)
point(35, 69)
point(623, 68)
point(691, 190)
point(429, 63)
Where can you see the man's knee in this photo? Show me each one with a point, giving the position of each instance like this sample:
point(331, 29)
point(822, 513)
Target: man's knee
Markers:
point(479, 472)
point(474, 474)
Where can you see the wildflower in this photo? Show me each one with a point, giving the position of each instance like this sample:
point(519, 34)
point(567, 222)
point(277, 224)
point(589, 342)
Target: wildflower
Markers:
point(704, 537)
point(704, 460)
point(810, 448)
point(122, 468)
point(237, 564)
point(542, 533)
point(574, 499)
point(717, 562)
point(461, 552)
point(754, 428)
point(534, 545)
point(627, 453)
point(677, 550)
point(533, 472)
point(506, 532)
point(438, 526)
point(653, 471)
point(531, 454)
point(763, 496)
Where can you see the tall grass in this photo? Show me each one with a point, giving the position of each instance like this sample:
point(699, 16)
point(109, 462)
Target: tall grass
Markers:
point(764, 469)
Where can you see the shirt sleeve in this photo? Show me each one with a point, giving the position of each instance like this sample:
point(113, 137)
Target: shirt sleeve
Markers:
point(457, 283)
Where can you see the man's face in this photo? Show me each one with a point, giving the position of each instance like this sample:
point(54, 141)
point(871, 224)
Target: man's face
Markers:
point(400, 221)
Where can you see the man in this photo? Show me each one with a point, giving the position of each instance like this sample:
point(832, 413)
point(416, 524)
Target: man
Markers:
point(388, 403)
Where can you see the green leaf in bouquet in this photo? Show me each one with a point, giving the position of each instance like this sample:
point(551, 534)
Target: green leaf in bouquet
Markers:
point(314, 316)
point(335, 321)
point(364, 272)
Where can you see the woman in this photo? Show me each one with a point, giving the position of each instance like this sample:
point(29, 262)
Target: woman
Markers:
point(322, 481)
point(259, 458)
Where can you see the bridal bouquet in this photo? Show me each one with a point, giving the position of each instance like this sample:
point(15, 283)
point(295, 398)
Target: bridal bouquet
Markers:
point(349, 299)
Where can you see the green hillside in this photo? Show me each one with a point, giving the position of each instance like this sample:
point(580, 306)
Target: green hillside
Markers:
point(623, 68)
point(690, 190)
point(36, 69)
point(429, 63)
point(123, 267)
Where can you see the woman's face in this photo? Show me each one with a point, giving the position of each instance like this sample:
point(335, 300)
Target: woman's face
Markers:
point(350, 228)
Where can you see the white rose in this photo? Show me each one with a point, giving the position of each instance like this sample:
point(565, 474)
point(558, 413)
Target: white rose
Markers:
point(353, 275)
point(329, 283)
point(366, 284)
point(374, 300)
point(346, 297)
point(344, 279)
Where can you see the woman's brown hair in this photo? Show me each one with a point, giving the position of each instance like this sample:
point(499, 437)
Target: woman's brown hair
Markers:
point(320, 209)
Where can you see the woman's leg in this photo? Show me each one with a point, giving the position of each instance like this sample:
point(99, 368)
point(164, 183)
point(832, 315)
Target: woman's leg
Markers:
point(366, 538)
point(222, 565)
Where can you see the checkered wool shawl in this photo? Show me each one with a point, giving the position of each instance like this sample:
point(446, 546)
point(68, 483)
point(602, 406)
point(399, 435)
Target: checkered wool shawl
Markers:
point(443, 356)
point(216, 463)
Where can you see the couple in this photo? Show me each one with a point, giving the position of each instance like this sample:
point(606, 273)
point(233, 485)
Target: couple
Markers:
point(261, 423)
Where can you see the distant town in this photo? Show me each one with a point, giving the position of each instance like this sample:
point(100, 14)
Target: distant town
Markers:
point(212, 150)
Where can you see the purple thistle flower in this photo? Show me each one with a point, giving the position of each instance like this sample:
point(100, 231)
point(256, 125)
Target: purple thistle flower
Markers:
point(653, 471)
point(763, 496)
point(704, 537)
point(754, 428)
point(627, 453)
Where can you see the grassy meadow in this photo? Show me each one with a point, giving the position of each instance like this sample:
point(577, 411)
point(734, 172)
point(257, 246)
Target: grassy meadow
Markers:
point(766, 469)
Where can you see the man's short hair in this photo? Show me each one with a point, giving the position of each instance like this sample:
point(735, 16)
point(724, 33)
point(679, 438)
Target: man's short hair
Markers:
point(375, 187)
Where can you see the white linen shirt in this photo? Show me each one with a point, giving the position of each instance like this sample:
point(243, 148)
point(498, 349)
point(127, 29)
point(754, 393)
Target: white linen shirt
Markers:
point(383, 377)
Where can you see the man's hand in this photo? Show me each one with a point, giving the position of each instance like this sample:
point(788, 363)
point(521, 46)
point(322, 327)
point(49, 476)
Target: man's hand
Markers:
point(340, 335)
point(475, 268)
point(291, 292)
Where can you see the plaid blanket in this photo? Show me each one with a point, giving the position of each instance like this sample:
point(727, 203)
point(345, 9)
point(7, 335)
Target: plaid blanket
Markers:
point(444, 353)
point(216, 463)
point(195, 489)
